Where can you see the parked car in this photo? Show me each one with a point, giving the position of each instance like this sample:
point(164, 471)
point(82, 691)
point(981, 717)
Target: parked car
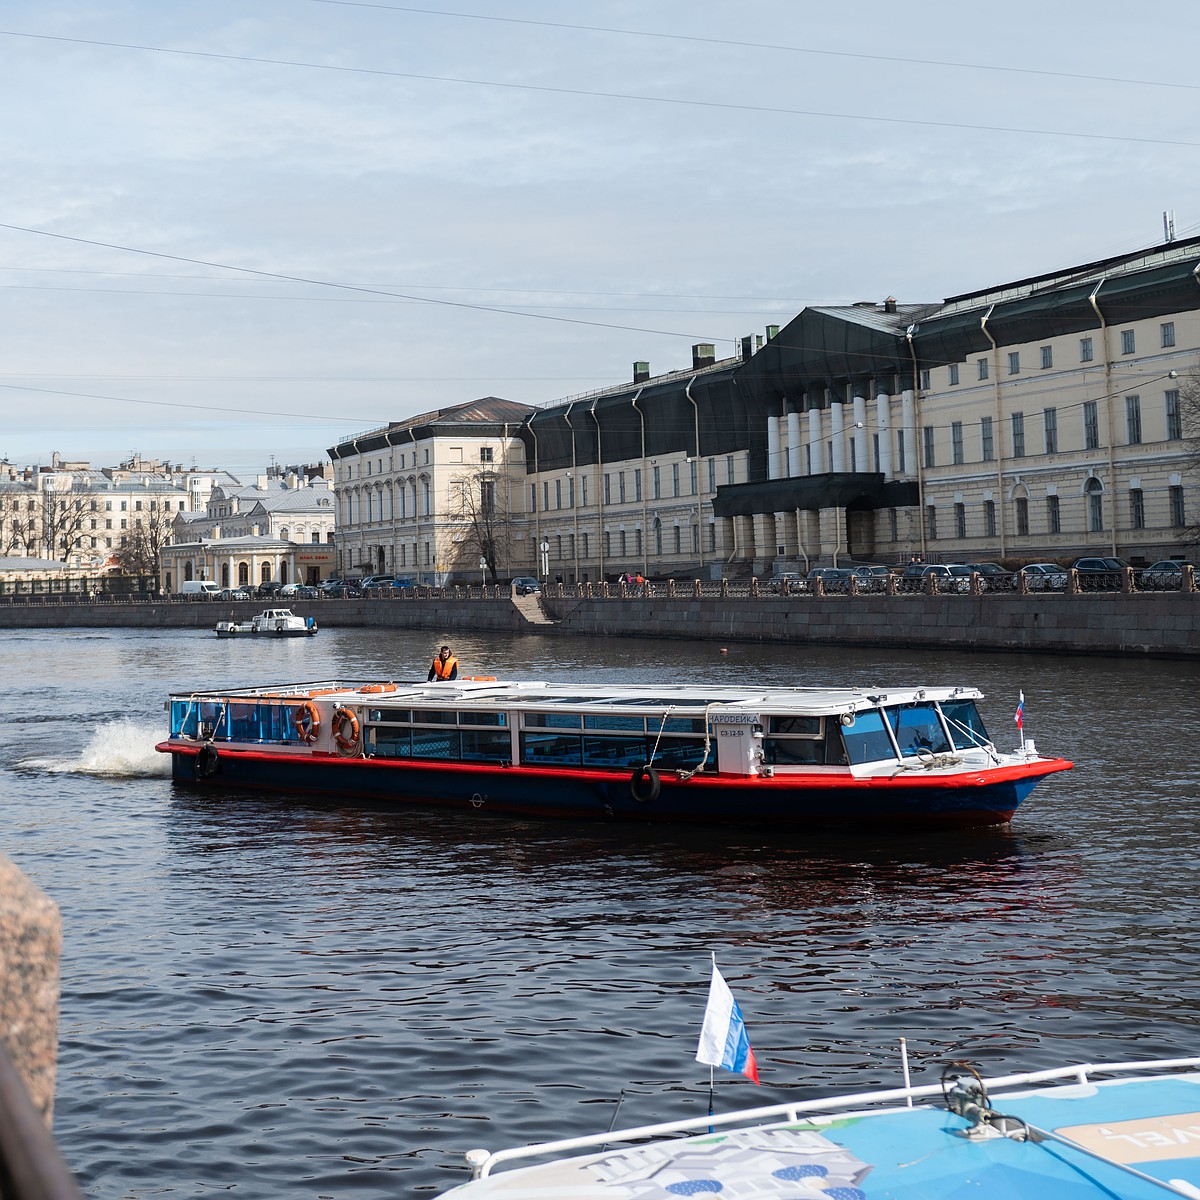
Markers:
point(793, 579)
point(341, 588)
point(872, 577)
point(1163, 576)
point(1100, 574)
point(833, 579)
point(268, 590)
point(237, 593)
point(1044, 577)
point(950, 577)
point(995, 577)
point(377, 581)
point(403, 583)
point(526, 585)
point(306, 591)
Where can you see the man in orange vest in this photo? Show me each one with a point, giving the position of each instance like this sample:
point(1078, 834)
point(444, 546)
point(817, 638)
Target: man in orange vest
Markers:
point(444, 668)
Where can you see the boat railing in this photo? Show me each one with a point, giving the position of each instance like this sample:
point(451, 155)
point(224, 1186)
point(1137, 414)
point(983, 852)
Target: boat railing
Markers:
point(481, 1162)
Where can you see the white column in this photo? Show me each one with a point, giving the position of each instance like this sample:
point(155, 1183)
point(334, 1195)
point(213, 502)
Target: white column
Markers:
point(862, 455)
point(837, 438)
point(815, 449)
point(883, 422)
point(794, 460)
point(908, 421)
point(773, 471)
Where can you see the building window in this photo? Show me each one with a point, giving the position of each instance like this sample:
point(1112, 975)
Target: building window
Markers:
point(558, 493)
point(1133, 420)
point(607, 488)
point(729, 468)
point(960, 521)
point(1018, 434)
point(1021, 505)
point(927, 435)
point(1095, 505)
point(954, 374)
point(637, 483)
point(1085, 349)
point(545, 497)
point(1014, 362)
point(692, 480)
point(923, 381)
point(899, 452)
point(674, 479)
point(1177, 514)
point(712, 474)
point(657, 483)
point(485, 454)
point(982, 368)
point(986, 441)
point(1167, 334)
point(1174, 417)
point(1137, 508)
point(532, 498)
point(583, 544)
point(637, 541)
point(1047, 357)
point(931, 522)
point(678, 540)
point(1050, 424)
point(956, 442)
point(622, 542)
point(989, 518)
point(712, 537)
point(1128, 342)
point(583, 490)
point(1091, 425)
point(1053, 516)
point(621, 487)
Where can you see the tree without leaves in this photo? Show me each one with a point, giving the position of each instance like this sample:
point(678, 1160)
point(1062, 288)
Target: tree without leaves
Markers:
point(479, 502)
point(150, 532)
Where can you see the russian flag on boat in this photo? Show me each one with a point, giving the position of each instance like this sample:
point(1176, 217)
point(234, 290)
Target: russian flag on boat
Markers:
point(723, 1039)
point(1020, 713)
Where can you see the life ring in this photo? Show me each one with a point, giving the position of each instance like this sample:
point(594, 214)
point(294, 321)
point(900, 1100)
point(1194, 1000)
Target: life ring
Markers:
point(307, 722)
point(341, 718)
point(372, 688)
point(207, 761)
point(644, 784)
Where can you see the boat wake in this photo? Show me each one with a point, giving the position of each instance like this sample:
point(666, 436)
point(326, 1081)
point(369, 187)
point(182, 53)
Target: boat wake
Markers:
point(117, 748)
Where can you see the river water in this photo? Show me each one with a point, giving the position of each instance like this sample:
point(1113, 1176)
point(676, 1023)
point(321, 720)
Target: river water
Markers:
point(275, 998)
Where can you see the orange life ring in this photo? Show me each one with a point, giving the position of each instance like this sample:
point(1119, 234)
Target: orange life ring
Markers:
point(479, 678)
point(372, 688)
point(341, 718)
point(307, 721)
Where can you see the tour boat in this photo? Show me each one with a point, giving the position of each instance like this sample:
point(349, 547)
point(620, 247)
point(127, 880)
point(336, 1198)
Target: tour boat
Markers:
point(271, 622)
point(1129, 1131)
point(799, 757)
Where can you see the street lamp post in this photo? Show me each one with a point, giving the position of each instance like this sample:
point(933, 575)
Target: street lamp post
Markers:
point(483, 570)
point(545, 549)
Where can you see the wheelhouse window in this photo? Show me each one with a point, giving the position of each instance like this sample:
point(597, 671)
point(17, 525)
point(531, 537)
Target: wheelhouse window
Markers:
point(917, 729)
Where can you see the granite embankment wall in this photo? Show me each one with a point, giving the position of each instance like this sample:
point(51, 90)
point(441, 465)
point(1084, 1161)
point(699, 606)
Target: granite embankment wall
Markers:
point(1141, 624)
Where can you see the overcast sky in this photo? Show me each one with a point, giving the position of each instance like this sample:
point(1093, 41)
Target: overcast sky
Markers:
point(238, 230)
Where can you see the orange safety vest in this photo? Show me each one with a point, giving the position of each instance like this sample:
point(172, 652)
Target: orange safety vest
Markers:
point(443, 669)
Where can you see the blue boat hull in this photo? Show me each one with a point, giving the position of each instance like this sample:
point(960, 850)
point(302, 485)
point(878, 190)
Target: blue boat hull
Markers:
point(981, 799)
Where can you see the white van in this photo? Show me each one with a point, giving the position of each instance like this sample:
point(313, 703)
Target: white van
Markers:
point(200, 587)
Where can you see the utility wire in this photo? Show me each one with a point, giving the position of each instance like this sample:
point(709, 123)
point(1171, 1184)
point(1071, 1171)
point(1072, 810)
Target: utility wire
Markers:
point(594, 94)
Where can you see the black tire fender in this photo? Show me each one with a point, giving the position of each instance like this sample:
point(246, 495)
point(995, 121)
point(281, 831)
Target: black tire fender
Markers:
point(644, 784)
point(208, 760)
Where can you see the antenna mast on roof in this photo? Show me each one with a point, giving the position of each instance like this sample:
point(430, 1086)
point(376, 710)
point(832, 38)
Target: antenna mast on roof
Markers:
point(1169, 225)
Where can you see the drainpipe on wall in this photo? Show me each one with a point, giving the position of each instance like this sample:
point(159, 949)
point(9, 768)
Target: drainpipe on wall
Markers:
point(573, 493)
point(645, 529)
point(1108, 402)
point(918, 449)
point(599, 492)
point(537, 508)
point(687, 391)
point(998, 436)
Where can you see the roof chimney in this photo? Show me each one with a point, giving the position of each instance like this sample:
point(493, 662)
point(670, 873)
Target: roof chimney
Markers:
point(641, 372)
point(704, 354)
point(772, 332)
point(889, 305)
point(747, 349)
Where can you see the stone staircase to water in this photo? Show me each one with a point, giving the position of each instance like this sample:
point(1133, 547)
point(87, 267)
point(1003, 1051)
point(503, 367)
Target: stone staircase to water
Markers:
point(530, 607)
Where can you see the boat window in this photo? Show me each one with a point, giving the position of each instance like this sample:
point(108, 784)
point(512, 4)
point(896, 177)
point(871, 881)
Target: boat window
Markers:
point(795, 741)
point(539, 749)
point(552, 720)
point(680, 725)
point(476, 717)
point(795, 726)
point(614, 751)
point(435, 743)
point(683, 754)
point(486, 745)
point(966, 725)
point(391, 714)
point(867, 739)
point(917, 728)
point(607, 722)
point(391, 743)
point(433, 716)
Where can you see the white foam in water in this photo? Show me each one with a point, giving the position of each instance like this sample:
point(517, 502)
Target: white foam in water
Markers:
point(122, 748)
